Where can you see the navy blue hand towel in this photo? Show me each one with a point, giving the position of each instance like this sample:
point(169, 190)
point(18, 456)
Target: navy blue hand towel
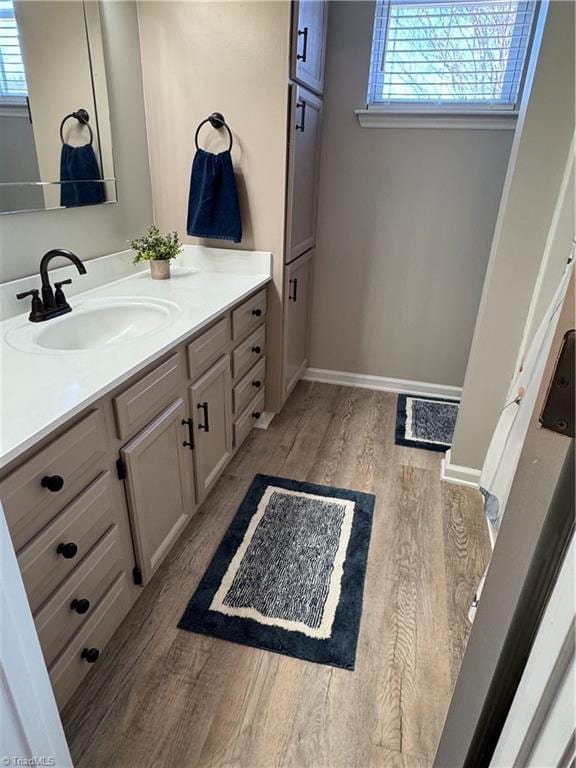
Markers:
point(213, 209)
point(79, 174)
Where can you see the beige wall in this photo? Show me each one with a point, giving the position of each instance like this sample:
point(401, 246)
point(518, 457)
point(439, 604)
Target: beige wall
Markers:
point(405, 223)
point(229, 57)
point(532, 187)
point(96, 230)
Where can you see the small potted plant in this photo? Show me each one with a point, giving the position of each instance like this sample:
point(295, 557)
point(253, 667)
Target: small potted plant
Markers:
point(158, 249)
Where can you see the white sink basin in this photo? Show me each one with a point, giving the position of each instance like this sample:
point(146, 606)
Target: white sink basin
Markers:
point(94, 324)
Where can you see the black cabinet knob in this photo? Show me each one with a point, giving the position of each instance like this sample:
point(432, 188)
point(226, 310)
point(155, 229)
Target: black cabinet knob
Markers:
point(80, 606)
point(90, 655)
point(256, 415)
point(257, 312)
point(257, 384)
point(54, 483)
point(67, 550)
point(257, 350)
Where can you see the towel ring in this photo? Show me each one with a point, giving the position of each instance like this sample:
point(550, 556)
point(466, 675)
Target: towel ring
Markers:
point(83, 118)
point(217, 121)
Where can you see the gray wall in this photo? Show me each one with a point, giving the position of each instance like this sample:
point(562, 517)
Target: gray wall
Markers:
point(18, 161)
point(96, 230)
point(405, 223)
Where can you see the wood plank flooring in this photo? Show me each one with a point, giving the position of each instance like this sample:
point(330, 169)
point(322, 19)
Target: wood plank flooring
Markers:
point(166, 697)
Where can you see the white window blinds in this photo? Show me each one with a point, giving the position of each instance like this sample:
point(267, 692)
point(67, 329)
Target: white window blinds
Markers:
point(12, 76)
point(449, 53)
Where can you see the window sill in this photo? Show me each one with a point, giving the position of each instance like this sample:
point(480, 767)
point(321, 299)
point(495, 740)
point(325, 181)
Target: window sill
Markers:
point(488, 121)
point(11, 109)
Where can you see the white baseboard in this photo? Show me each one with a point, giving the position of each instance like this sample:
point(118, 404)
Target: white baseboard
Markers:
point(264, 420)
point(454, 473)
point(382, 383)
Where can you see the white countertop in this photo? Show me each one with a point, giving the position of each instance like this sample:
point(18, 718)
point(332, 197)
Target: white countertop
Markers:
point(41, 389)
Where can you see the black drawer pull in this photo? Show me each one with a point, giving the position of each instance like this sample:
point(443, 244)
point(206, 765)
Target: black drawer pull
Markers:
point(256, 415)
point(293, 296)
point(301, 105)
point(190, 441)
point(80, 606)
point(257, 384)
point(90, 655)
point(257, 350)
point(257, 312)
point(54, 483)
point(206, 426)
point(302, 56)
point(68, 551)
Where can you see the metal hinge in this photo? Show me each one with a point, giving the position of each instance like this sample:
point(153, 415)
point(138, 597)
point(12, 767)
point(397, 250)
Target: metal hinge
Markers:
point(121, 469)
point(558, 411)
point(137, 575)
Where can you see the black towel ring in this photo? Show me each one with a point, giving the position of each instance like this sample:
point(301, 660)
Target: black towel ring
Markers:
point(217, 121)
point(83, 118)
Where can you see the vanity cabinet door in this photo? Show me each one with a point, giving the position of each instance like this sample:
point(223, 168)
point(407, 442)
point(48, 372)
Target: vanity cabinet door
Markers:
point(304, 153)
point(159, 485)
point(309, 25)
point(297, 290)
point(211, 408)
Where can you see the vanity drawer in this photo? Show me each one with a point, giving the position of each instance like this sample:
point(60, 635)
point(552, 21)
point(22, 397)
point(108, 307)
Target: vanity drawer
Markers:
point(70, 667)
point(139, 404)
point(249, 352)
point(249, 386)
point(248, 315)
point(57, 621)
point(243, 426)
point(82, 523)
point(208, 347)
point(73, 460)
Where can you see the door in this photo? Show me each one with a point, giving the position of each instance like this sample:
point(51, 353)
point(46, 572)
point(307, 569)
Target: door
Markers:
point(304, 151)
point(160, 486)
point(29, 721)
point(297, 292)
point(533, 533)
point(309, 25)
point(211, 406)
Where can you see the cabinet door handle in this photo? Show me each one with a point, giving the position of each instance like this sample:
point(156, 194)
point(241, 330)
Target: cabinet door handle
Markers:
point(257, 312)
point(294, 283)
point(301, 105)
point(257, 350)
point(90, 655)
point(190, 441)
point(54, 483)
point(68, 551)
point(206, 426)
point(80, 606)
point(257, 384)
point(256, 415)
point(302, 56)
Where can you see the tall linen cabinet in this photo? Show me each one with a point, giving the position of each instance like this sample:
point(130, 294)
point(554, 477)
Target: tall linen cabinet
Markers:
point(307, 57)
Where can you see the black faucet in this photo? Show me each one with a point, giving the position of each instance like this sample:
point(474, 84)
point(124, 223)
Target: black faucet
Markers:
point(52, 304)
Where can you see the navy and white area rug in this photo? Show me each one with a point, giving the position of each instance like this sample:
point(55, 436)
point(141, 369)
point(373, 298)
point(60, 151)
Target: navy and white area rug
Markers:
point(288, 576)
point(425, 422)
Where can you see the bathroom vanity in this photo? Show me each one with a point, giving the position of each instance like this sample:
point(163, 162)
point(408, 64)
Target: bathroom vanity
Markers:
point(117, 422)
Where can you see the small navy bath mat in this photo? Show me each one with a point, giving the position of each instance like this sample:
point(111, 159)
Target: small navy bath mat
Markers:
point(288, 575)
point(425, 422)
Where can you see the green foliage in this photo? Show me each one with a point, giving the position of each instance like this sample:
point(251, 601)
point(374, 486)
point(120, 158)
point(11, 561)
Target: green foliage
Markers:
point(156, 246)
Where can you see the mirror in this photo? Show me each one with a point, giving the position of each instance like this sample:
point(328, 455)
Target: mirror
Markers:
point(55, 138)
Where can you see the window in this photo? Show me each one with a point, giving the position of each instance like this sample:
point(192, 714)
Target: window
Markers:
point(449, 54)
point(13, 87)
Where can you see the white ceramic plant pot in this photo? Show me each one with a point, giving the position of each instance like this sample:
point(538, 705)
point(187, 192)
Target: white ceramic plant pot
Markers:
point(160, 269)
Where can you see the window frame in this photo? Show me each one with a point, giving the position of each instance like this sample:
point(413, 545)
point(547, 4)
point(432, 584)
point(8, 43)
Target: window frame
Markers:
point(443, 114)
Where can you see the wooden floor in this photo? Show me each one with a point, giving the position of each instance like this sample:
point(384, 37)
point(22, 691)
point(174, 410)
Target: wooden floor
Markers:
point(166, 697)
